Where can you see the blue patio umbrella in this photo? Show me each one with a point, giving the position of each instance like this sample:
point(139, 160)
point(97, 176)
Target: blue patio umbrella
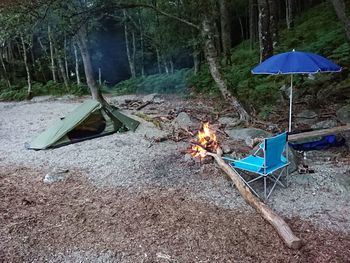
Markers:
point(295, 62)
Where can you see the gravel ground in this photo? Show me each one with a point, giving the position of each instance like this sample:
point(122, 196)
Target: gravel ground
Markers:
point(130, 161)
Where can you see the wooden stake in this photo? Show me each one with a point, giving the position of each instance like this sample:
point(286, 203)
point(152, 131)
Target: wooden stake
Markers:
point(267, 213)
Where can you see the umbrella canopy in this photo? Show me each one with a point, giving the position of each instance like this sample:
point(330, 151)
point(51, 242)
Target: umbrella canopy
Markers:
point(295, 62)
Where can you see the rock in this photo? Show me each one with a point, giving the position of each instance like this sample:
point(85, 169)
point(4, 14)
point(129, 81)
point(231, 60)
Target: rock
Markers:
point(325, 124)
point(188, 157)
point(307, 114)
point(338, 92)
point(158, 100)
point(42, 98)
point(246, 134)
point(67, 97)
point(57, 174)
point(308, 117)
point(226, 149)
point(183, 120)
point(149, 97)
point(343, 114)
point(228, 121)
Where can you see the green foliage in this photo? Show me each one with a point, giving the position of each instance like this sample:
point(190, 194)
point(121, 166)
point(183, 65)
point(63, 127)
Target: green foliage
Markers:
point(19, 91)
point(316, 30)
point(160, 83)
point(202, 82)
point(319, 31)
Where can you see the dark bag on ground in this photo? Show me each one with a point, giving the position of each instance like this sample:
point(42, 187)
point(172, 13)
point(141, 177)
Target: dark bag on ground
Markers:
point(322, 144)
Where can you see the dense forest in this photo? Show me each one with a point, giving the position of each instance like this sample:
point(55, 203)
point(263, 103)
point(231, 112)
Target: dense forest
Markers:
point(93, 46)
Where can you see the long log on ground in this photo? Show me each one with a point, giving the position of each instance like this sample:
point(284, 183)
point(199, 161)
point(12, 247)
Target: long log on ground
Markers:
point(310, 134)
point(267, 213)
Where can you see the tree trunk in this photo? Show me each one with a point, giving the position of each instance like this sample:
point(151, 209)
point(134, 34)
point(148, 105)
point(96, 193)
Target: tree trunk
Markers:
point(214, 67)
point(33, 57)
point(76, 64)
point(63, 72)
point(273, 8)
point(128, 53)
point(89, 73)
point(29, 80)
point(241, 27)
point(165, 64)
point(252, 22)
point(53, 67)
point(133, 51)
point(171, 63)
point(141, 46)
point(265, 39)
point(5, 70)
point(225, 30)
point(340, 9)
point(158, 61)
point(289, 13)
point(65, 58)
point(99, 77)
point(196, 61)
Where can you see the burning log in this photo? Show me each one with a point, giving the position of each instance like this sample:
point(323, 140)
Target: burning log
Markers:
point(282, 228)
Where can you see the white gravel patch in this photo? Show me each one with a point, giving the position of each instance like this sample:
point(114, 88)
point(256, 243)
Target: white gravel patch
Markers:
point(125, 160)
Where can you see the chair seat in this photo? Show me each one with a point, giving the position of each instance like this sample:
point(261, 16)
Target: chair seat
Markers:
point(255, 164)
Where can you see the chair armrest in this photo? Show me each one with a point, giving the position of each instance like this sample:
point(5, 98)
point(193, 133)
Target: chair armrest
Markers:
point(238, 161)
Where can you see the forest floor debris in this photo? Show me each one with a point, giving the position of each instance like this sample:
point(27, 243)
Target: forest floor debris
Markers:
point(74, 221)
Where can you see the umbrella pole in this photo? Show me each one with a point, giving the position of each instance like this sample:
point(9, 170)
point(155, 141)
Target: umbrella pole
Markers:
point(290, 103)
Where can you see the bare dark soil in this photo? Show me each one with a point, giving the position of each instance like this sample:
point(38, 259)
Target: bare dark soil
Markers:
point(50, 223)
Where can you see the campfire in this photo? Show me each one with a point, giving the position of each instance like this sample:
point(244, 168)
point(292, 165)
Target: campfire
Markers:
point(207, 141)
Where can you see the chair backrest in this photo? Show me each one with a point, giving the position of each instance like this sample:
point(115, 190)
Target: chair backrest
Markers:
point(274, 148)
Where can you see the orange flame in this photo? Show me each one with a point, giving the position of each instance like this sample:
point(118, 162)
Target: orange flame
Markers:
point(206, 141)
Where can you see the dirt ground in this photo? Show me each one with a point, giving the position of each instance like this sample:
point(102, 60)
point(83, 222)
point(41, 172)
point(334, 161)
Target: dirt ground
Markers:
point(74, 221)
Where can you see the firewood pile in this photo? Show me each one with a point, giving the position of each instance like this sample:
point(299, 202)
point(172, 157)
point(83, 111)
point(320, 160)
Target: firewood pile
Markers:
point(134, 104)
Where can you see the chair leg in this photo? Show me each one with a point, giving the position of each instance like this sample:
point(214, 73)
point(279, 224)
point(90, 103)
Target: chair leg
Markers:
point(265, 188)
point(274, 185)
point(247, 184)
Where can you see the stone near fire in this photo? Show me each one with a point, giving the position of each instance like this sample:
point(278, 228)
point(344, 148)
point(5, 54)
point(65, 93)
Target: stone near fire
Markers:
point(343, 114)
point(226, 149)
point(325, 124)
point(308, 117)
point(183, 120)
point(149, 97)
point(246, 134)
point(228, 121)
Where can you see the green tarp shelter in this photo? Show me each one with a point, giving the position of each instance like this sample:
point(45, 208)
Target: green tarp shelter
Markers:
point(89, 120)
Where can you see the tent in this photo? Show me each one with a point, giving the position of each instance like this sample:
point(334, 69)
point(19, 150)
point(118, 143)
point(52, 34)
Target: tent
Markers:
point(89, 120)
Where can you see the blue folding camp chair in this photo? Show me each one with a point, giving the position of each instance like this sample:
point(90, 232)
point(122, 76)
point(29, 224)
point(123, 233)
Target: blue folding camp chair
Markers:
point(271, 162)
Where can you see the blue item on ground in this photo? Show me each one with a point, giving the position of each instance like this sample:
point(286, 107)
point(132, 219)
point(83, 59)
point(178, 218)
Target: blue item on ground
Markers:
point(322, 144)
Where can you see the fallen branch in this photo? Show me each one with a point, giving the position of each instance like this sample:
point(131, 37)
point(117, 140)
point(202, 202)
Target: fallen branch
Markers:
point(143, 105)
point(275, 220)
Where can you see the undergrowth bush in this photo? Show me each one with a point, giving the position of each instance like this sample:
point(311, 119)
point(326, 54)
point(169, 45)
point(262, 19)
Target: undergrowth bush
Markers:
point(158, 83)
point(18, 91)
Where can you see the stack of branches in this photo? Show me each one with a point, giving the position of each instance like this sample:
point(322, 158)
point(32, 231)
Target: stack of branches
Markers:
point(134, 104)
